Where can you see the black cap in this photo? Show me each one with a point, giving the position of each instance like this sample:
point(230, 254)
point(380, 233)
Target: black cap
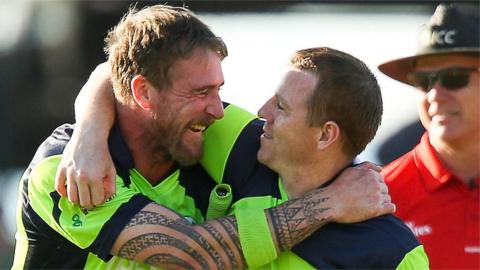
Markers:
point(453, 28)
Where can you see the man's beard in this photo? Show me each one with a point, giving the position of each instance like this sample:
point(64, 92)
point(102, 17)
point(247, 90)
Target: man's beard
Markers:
point(167, 143)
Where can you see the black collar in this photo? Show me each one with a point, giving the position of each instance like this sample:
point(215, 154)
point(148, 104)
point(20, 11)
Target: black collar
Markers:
point(336, 175)
point(122, 158)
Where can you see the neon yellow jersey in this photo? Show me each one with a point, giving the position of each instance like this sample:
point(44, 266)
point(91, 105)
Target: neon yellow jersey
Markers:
point(54, 233)
point(337, 246)
point(380, 243)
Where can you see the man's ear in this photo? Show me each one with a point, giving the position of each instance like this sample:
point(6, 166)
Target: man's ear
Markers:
point(328, 134)
point(140, 92)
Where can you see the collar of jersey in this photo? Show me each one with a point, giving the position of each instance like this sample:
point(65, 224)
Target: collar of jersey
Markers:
point(123, 160)
point(284, 194)
point(152, 192)
point(121, 156)
point(433, 173)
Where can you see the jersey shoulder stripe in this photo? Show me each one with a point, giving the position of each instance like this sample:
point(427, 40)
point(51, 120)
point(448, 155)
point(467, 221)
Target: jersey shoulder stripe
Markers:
point(231, 157)
point(220, 137)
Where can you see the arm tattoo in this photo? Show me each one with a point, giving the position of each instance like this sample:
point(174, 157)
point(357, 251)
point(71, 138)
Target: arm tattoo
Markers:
point(137, 244)
point(229, 225)
point(222, 232)
point(295, 220)
point(147, 217)
point(216, 243)
point(169, 261)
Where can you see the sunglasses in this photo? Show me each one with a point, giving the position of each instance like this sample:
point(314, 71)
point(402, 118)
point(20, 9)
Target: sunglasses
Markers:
point(452, 79)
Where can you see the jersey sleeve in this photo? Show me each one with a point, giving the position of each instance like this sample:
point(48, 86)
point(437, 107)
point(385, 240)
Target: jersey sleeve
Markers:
point(415, 259)
point(220, 138)
point(94, 230)
point(255, 237)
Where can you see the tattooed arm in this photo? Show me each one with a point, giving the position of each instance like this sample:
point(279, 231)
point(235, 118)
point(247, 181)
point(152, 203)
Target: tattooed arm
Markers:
point(160, 237)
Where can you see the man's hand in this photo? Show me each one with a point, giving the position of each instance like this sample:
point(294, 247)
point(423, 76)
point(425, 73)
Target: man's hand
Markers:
point(86, 173)
point(360, 193)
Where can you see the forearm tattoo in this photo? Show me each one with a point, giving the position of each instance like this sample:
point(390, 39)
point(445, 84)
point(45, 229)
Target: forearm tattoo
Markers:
point(168, 261)
point(216, 244)
point(233, 250)
point(211, 244)
point(295, 220)
point(137, 244)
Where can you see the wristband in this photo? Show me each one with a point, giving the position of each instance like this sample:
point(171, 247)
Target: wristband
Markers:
point(255, 237)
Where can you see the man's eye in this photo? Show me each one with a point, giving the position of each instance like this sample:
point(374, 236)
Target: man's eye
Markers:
point(202, 92)
point(279, 106)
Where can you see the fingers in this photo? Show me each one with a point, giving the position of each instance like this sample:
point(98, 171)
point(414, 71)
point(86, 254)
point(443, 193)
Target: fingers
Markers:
point(60, 182)
point(82, 188)
point(84, 194)
point(388, 208)
point(360, 193)
point(97, 192)
point(79, 192)
point(384, 189)
point(371, 166)
point(109, 184)
point(72, 191)
point(386, 204)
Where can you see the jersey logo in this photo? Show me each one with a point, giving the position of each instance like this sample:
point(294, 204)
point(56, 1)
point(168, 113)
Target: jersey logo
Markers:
point(419, 230)
point(76, 221)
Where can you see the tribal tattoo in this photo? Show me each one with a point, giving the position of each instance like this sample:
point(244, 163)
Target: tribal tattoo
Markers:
point(168, 261)
point(233, 249)
point(138, 244)
point(296, 219)
point(211, 244)
point(165, 239)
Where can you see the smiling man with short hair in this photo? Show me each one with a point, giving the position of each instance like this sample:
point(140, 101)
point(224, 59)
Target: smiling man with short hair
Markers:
point(436, 185)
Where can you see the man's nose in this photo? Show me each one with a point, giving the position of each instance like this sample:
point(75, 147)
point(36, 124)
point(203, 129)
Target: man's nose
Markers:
point(436, 93)
point(263, 112)
point(215, 106)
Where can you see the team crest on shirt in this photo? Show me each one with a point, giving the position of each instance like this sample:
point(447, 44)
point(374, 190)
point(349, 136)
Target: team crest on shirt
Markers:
point(419, 230)
point(76, 221)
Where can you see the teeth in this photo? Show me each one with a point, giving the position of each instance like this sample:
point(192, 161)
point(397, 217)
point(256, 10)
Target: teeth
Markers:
point(197, 127)
point(267, 136)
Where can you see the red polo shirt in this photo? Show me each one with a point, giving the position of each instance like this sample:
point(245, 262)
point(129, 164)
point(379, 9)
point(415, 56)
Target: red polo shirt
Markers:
point(441, 210)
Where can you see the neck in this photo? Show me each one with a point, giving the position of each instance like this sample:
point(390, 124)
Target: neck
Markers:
point(302, 179)
point(136, 132)
point(461, 158)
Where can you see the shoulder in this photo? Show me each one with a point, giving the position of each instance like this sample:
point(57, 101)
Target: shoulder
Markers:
point(42, 176)
point(42, 169)
point(222, 136)
point(387, 233)
point(55, 143)
point(236, 136)
point(381, 242)
point(392, 228)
